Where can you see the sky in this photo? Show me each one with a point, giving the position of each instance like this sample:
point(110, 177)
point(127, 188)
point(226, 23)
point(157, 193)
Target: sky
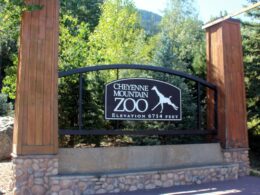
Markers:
point(206, 8)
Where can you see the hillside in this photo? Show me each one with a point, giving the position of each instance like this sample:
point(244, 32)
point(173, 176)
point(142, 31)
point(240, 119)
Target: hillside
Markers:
point(150, 21)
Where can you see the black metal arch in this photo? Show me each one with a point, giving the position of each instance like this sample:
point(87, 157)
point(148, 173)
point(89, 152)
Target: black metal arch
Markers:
point(137, 67)
point(197, 80)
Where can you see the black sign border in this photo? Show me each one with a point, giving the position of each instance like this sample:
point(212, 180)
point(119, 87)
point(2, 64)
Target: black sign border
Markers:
point(125, 119)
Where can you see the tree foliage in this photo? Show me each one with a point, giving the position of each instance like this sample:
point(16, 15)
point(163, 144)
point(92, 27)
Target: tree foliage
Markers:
point(180, 47)
point(5, 107)
point(165, 57)
point(9, 31)
point(87, 11)
point(251, 48)
point(118, 38)
point(183, 27)
point(72, 42)
point(77, 19)
point(112, 32)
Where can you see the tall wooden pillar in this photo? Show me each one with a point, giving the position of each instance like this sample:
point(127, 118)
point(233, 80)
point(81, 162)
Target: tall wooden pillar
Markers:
point(225, 69)
point(36, 123)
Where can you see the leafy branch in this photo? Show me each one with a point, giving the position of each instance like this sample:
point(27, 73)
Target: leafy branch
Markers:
point(25, 6)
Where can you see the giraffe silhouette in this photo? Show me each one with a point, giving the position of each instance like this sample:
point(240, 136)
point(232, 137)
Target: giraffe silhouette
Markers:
point(163, 100)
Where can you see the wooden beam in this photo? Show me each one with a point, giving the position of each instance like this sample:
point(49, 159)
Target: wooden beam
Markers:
point(246, 9)
point(225, 69)
point(36, 122)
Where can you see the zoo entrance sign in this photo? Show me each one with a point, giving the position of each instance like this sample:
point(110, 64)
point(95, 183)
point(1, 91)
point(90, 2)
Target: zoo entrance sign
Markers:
point(142, 99)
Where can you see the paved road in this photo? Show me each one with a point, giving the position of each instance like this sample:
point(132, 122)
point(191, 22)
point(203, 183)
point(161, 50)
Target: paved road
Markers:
point(244, 185)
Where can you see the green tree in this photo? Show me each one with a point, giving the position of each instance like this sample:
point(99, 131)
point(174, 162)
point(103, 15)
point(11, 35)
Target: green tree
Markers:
point(9, 31)
point(9, 81)
point(183, 27)
point(87, 11)
point(118, 38)
point(72, 42)
point(165, 57)
point(180, 47)
point(76, 24)
point(72, 54)
point(77, 19)
point(10, 15)
point(251, 47)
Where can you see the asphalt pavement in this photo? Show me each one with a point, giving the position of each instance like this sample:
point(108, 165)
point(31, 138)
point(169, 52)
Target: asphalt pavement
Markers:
point(244, 185)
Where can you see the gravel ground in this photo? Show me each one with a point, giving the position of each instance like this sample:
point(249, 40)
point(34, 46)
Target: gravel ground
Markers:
point(5, 177)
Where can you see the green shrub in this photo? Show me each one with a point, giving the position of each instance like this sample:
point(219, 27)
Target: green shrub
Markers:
point(5, 107)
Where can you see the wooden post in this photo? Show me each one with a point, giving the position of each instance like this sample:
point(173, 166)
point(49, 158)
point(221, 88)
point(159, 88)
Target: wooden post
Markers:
point(36, 122)
point(225, 69)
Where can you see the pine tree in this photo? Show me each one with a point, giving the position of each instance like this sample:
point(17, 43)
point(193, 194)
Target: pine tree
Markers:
point(180, 22)
point(165, 57)
point(251, 48)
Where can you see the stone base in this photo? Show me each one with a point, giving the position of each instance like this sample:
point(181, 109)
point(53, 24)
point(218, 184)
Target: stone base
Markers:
point(38, 174)
point(31, 173)
point(239, 156)
point(122, 182)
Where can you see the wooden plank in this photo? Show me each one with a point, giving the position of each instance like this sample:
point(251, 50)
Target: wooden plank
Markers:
point(21, 89)
point(55, 82)
point(32, 79)
point(215, 75)
point(52, 64)
point(47, 114)
point(25, 55)
point(40, 78)
point(210, 97)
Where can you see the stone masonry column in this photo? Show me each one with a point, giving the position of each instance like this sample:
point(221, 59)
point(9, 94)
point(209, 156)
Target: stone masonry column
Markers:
point(35, 139)
point(225, 70)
